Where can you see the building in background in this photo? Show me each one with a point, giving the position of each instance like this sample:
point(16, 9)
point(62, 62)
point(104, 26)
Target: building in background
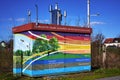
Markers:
point(112, 42)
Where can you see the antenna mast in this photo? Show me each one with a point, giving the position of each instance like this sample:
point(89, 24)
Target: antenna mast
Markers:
point(36, 14)
point(29, 16)
point(55, 15)
point(88, 13)
point(65, 15)
point(50, 10)
point(58, 13)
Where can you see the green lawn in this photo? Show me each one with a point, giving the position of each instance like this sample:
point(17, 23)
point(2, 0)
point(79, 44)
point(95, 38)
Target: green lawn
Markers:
point(100, 73)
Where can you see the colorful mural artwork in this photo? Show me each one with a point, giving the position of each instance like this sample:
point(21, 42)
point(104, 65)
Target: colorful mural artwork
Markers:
point(40, 53)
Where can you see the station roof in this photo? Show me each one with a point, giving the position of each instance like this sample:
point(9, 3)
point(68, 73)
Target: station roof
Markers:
point(51, 27)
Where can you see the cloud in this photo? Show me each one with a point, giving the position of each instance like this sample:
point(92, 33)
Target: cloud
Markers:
point(96, 23)
point(44, 21)
point(20, 20)
point(5, 20)
point(10, 19)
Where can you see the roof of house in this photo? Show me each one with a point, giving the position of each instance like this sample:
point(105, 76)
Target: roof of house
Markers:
point(112, 40)
point(51, 27)
point(109, 40)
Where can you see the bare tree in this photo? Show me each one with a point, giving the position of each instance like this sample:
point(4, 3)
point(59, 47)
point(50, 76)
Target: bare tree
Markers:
point(97, 42)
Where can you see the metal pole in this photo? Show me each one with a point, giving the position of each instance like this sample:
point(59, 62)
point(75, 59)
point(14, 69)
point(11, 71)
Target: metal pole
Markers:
point(65, 21)
point(104, 56)
point(36, 14)
point(58, 17)
point(50, 10)
point(65, 15)
point(50, 17)
point(29, 16)
point(88, 13)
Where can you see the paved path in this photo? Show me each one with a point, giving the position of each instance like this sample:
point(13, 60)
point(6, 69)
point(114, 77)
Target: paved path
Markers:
point(111, 78)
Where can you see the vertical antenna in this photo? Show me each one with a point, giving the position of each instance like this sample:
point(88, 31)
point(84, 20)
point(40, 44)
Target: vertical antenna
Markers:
point(58, 14)
point(55, 15)
point(50, 10)
point(65, 15)
point(29, 16)
point(56, 6)
point(36, 14)
point(88, 13)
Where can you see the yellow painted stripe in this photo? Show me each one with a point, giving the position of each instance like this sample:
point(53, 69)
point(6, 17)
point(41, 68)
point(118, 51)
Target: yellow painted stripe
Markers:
point(74, 47)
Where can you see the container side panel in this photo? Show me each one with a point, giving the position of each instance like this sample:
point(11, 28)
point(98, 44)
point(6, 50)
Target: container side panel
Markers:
point(52, 53)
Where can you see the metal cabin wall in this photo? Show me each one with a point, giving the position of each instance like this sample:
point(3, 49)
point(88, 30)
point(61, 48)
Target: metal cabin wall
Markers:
point(51, 53)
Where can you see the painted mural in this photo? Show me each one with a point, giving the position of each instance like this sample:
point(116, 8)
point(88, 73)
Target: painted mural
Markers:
point(39, 53)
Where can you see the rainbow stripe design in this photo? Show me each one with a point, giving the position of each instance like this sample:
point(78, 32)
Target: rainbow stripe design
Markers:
point(73, 54)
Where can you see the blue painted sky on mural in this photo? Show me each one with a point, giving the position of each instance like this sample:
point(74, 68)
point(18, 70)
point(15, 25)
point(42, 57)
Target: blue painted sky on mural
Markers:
point(14, 13)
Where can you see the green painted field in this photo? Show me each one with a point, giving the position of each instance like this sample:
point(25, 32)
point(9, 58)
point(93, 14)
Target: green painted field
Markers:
point(61, 55)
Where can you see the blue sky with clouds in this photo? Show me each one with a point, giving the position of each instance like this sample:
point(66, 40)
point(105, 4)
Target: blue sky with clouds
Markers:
point(14, 13)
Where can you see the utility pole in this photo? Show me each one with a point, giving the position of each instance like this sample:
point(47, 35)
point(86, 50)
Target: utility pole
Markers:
point(88, 13)
point(104, 56)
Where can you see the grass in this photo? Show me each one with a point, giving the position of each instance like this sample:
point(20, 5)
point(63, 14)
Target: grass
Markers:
point(100, 73)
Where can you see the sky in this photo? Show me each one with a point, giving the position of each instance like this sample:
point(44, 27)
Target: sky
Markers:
point(14, 13)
